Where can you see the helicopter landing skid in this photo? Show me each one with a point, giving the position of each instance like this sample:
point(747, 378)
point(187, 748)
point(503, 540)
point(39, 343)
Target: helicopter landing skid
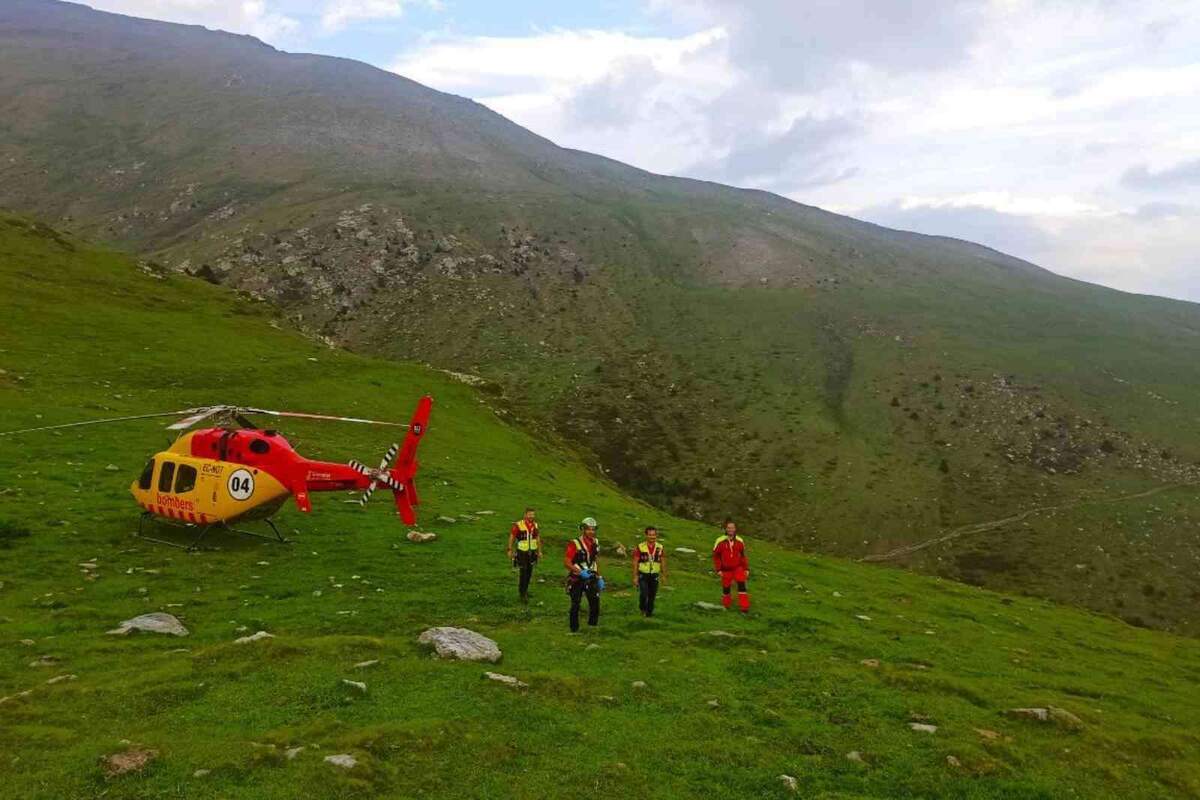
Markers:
point(201, 530)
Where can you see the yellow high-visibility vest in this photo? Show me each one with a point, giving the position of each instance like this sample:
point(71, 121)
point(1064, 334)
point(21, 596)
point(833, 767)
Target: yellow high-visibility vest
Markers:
point(527, 537)
point(650, 562)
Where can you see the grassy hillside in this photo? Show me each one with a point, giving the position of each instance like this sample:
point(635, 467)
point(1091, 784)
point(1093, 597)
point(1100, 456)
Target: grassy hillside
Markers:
point(841, 386)
point(88, 333)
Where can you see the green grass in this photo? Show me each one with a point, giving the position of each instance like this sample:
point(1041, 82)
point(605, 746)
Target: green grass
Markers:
point(710, 350)
point(89, 335)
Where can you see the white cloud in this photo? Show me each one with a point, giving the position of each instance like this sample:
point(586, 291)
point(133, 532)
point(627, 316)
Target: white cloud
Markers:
point(340, 13)
point(255, 17)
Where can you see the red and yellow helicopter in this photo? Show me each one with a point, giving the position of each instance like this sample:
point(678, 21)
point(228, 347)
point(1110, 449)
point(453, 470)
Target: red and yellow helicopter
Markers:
point(237, 471)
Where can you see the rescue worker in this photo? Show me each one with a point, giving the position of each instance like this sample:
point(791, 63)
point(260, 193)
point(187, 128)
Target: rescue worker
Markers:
point(582, 576)
point(729, 562)
point(524, 547)
point(649, 567)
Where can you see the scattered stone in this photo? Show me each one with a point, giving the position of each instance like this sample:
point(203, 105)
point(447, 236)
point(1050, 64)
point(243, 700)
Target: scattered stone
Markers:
point(254, 637)
point(485, 513)
point(954, 762)
point(28, 642)
point(362, 687)
point(922, 727)
point(714, 703)
point(854, 755)
point(292, 752)
point(725, 634)
point(1058, 716)
point(592, 646)
point(507, 680)
point(154, 622)
point(44, 661)
point(708, 606)
point(460, 643)
point(863, 617)
point(200, 773)
point(448, 520)
point(418, 537)
point(365, 664)
point(789, 783)
point(112, 468)
point(132, 760)
point(684, 550)
point(638, 684)
point(873, 663)
point(620, 550)
point(60, 679)
point(608, 698)
point(343, 760)
point(985, 733)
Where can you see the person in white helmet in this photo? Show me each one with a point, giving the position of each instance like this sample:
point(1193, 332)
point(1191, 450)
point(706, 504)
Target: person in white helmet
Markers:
point(583, 576)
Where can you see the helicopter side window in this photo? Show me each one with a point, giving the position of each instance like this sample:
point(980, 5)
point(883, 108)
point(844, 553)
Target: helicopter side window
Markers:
point(165, 475)
point(147, 476)
point(185, 479)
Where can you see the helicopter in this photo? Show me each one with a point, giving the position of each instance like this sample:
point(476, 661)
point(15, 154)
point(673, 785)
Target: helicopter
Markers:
point(236, 471)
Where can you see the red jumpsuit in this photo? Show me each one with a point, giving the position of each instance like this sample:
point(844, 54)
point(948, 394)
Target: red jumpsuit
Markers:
point(729, 559)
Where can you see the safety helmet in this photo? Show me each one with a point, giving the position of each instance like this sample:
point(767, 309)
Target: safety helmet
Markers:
point(589, 522)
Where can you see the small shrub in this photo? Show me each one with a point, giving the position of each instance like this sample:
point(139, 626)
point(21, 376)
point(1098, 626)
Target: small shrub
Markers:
point(10, 532)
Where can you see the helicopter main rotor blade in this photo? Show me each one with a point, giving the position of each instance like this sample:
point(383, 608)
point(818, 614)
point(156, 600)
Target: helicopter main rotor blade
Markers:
point(303, 415)
point(202, 413)
point(100, 421)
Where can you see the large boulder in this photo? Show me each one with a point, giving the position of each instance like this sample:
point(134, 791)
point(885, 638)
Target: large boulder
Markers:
point(460, 643)
point(155, 622)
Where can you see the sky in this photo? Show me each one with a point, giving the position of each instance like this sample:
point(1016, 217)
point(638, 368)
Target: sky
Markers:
point(1065, 132)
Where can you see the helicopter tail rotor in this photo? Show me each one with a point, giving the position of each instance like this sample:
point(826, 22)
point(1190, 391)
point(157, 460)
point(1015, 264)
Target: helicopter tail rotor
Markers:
point(377, 476)
point(400, 478)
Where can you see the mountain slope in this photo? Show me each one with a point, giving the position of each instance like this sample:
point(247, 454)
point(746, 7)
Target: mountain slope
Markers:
point(795, 688)
point(838, 385)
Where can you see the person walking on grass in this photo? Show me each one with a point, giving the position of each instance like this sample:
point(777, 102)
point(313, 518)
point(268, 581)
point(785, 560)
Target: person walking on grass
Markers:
point(583, 577)
point(524, 547)
point(649, 569)
point(730, 564)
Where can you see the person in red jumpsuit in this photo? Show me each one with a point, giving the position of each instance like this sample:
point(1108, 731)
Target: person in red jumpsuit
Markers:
point(729, 562)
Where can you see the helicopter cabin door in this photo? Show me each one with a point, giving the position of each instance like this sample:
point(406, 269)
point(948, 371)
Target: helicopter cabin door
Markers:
point(171, 486)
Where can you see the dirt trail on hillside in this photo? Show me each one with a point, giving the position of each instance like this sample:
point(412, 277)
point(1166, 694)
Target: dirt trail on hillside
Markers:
point(984, 527)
